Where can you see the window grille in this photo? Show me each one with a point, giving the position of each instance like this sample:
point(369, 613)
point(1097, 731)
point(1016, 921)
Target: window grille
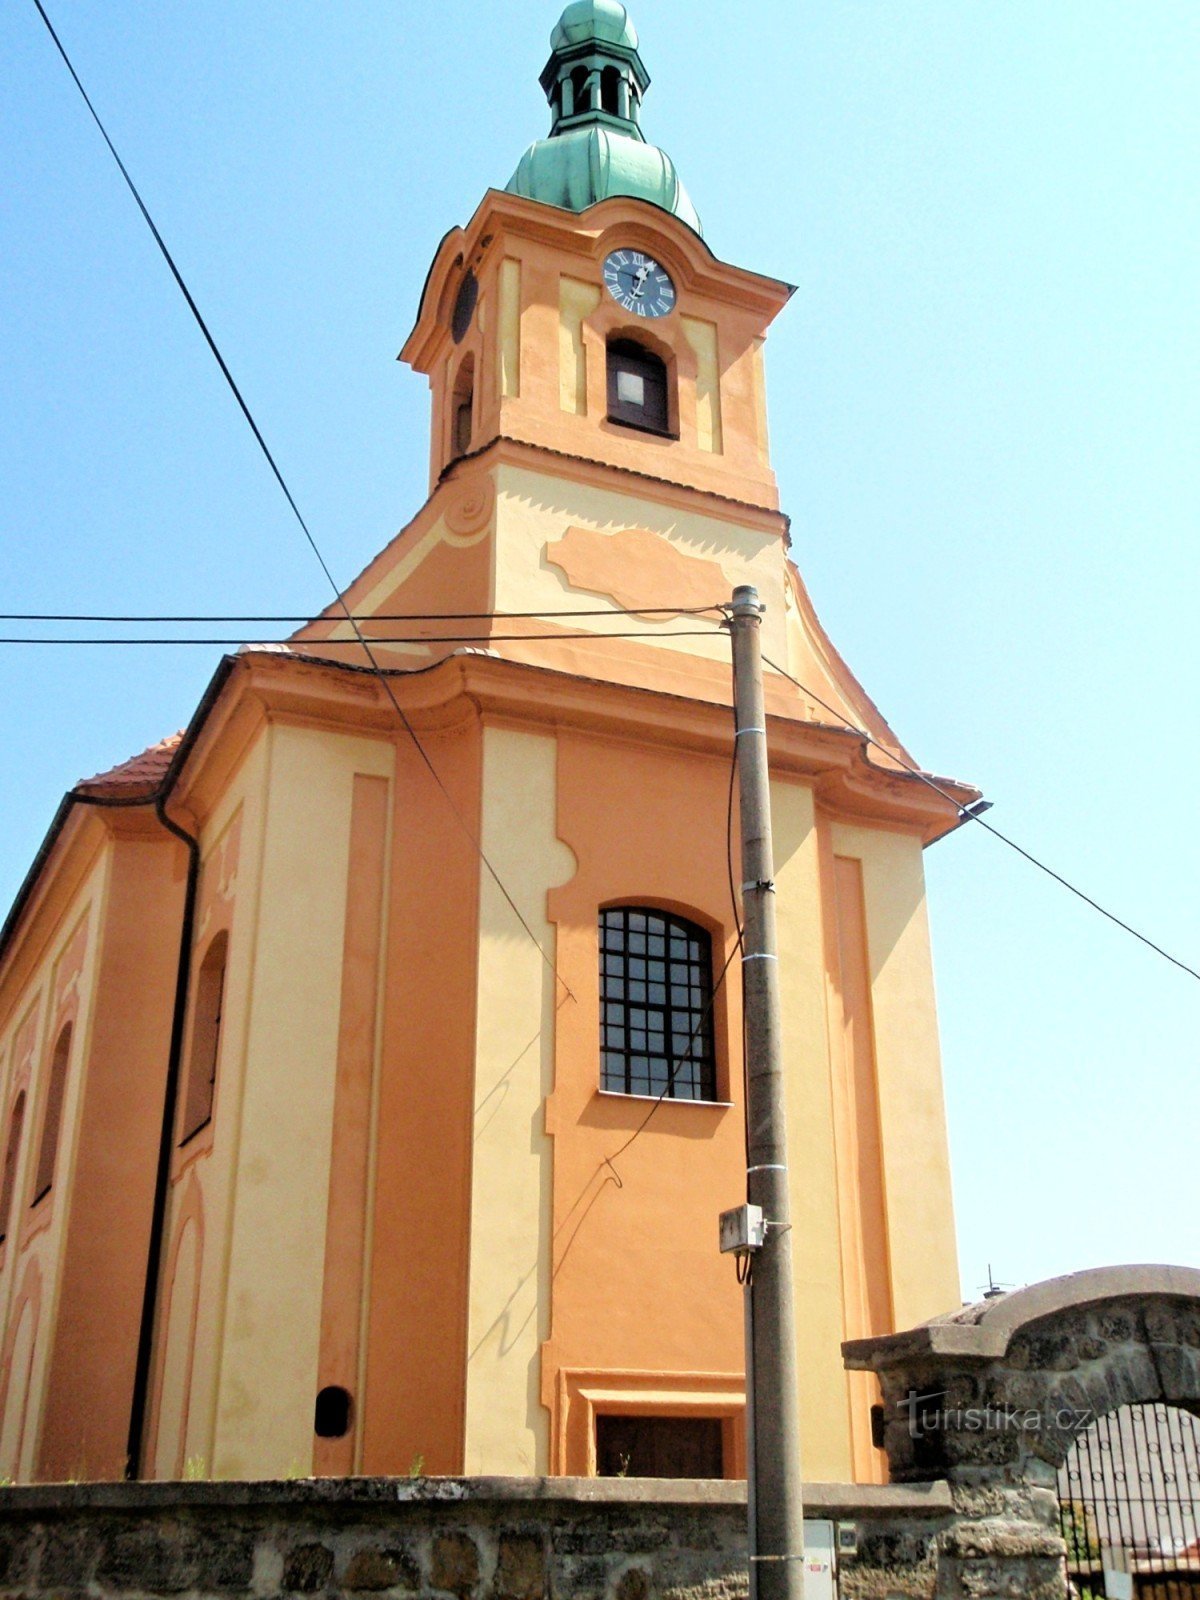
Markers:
point(656, 1032)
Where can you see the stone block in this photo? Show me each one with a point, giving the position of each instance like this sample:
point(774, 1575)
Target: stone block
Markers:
point(729, 1586)
point(1051, 1351)
point(228, 1559)
point(1014, 1541)
point(307, 1568)
point(1160, 1322)
point(590, 1538)
point(374, 1568)
point(520, 1568)
point(455, 1567)
point(1001, 1580)
point(581, 1577)
point(1118, 1327)
point(1179, 1367)
point(1091, 1347)
point(633, 1584)
point(158, 1557)
point(20, 1548)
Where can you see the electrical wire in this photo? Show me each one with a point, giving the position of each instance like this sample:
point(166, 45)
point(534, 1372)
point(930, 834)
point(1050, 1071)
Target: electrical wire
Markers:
point(966, 814)
point(279, 478)
point(737, 923)
point(682, 1061)
point(706, 1010)
point(374, 616)
point(299, 645)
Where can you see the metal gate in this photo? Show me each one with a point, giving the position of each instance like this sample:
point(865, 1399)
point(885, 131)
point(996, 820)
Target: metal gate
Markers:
point(1129, 1500)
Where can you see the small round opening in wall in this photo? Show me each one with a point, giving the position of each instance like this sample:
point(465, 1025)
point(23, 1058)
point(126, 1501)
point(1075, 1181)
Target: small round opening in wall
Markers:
point(331, 1417)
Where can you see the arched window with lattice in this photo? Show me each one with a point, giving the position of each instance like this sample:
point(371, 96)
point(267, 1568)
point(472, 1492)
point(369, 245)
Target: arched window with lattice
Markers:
point(200, 1087)
point(12, 1154)
point(656, 1002)
point(56, 1094)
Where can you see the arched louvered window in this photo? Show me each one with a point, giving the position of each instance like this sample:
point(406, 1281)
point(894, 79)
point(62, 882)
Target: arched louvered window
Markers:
point(12, 1152)
point(579, 92)
point(637, 387)
point(610, 91)
point(206, 1039)
point(56, 1094)
point(462, 410)
point(656, 1029)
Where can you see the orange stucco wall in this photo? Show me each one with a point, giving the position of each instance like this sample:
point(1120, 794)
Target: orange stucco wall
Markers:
point(411, 1185)
point(415, 1377)
point(102, 1260)
point(637, 1284)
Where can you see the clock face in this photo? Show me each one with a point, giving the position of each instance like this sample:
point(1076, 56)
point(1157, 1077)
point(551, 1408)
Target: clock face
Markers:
point(638, 283)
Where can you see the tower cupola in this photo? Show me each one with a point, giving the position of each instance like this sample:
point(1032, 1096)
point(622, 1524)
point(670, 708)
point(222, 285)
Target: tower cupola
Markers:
point(595, 76)
point(595, 80)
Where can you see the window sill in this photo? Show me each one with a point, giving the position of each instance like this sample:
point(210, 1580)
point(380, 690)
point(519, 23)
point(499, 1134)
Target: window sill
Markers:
point(667, 1099)
point(643, 427)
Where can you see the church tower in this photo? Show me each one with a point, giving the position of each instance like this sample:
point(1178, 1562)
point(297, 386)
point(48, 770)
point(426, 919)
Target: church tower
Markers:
point(599, 446)
point(458, 1082)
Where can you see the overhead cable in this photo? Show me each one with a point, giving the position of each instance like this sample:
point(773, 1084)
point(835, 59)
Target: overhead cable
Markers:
point(299, 645)
point(969, 814)
point(279, 478)
point(370, 616)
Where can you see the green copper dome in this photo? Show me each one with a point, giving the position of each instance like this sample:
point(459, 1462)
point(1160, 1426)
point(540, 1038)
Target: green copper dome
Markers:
point(577, 169)
point(594, 82)
point(594, 19)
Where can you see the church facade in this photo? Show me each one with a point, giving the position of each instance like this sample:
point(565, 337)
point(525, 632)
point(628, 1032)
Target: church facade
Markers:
point(370, 1053)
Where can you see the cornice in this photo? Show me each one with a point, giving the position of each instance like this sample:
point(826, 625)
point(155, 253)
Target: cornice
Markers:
point(837, 761)
point(668, 491)
point(583, 235)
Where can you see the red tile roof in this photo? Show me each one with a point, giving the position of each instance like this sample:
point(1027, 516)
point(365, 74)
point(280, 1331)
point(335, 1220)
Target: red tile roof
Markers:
point(141, 774)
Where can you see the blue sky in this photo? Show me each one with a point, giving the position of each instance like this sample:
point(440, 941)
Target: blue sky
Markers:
point(985, 411)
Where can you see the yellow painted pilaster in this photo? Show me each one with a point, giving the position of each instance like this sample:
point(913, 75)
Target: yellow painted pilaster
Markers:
point(912, 1119)
point(508, 328)
point(576, 300)
point(267, 1380)
point(824, 1408)
point(702, 336)
point(760, 403)
point(507, 1428)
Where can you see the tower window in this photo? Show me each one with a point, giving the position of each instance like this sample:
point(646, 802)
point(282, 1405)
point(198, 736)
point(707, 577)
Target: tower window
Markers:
point(610, 90)
point(579, 91)
point(637, 387)
point(656, 1033)
point(462, 407)
point(56, 1092)
point(206, 1039)
point(11, 1152)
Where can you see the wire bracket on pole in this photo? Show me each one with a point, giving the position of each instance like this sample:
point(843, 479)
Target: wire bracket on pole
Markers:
point(760, 955)
point(767, 885)
point(742, 731)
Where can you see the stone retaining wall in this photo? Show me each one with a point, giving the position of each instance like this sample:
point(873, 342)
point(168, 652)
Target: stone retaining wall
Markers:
point(440, 1539)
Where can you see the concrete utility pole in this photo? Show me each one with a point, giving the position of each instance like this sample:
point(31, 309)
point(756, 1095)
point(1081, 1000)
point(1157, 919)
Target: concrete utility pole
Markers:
point(773, 1434)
